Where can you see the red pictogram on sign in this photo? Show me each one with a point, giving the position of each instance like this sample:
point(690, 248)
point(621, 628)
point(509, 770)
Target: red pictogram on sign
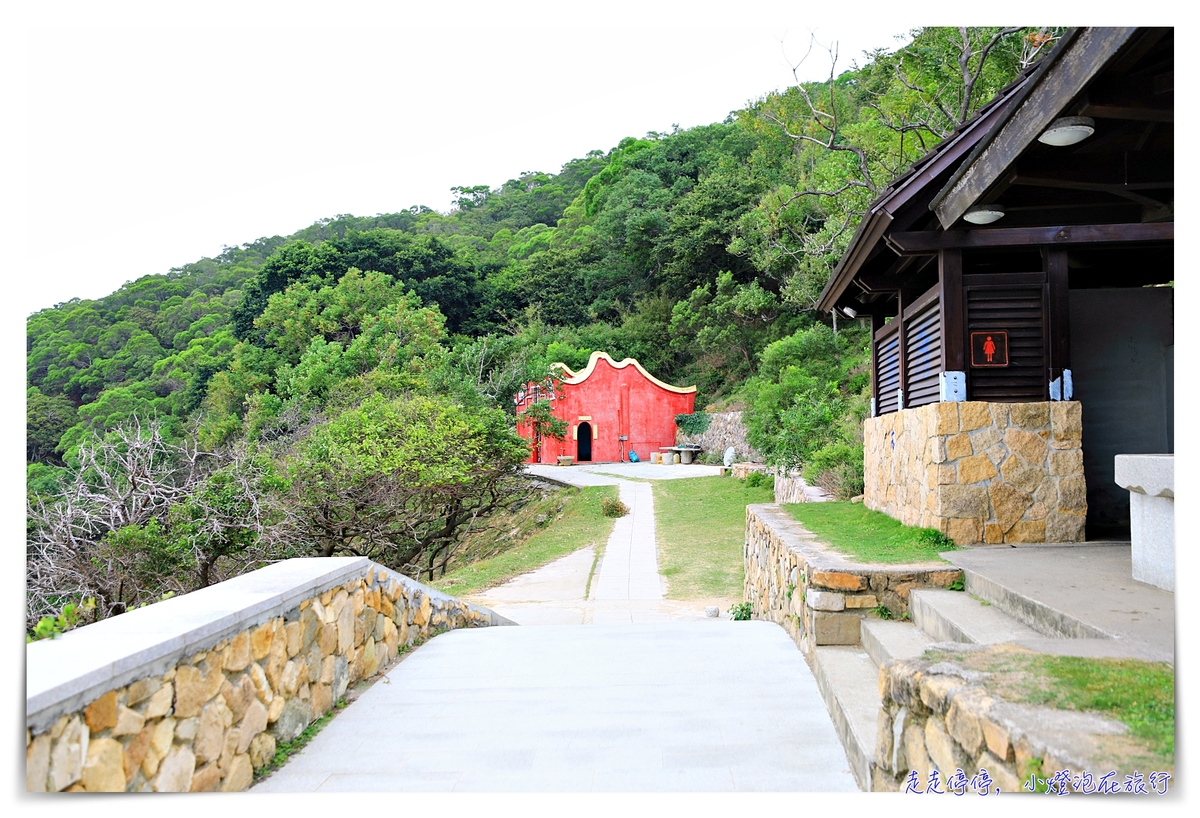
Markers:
point(989, 348)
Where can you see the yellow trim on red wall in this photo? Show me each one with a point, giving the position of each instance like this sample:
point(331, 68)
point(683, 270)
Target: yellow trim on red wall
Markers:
point(573, 378)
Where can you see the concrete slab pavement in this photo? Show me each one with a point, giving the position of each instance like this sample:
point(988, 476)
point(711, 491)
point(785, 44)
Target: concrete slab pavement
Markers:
point(626, 586)
point(607, 474)
point(651, 696)
point(1078, 590)
point(650, 707)
point(571, 475)
point(629, 567)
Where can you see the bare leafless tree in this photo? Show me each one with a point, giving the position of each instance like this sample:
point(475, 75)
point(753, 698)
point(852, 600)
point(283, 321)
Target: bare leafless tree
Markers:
point(936, 99)
point(141, 516)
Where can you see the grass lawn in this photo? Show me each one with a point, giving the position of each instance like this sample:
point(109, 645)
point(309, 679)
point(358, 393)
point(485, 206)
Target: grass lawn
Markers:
point(1139, 694)
point(701, 525)
point(870, 536)
point(581, 524)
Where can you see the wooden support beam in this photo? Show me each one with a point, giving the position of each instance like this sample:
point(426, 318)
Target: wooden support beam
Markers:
point(954, 357)
point(1135, 168)
point(928, 242)
point(881, 284)
point(1059, 331)
point(1136, 114)
point(1118, 190)
point(887, 283)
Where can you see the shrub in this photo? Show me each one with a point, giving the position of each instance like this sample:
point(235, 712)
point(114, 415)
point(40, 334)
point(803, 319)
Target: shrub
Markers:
point(757, 478)
point(696, 423)
point(883, 612)
point(612, 507)
point(936, 539)
point(838, 469)
point(49, 627)
point(740, 612)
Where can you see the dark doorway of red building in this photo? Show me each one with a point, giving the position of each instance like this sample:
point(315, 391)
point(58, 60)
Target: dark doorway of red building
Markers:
point(584, 453)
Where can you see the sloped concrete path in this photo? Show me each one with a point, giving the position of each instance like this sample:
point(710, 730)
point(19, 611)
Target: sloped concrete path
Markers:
point(674, 706)
point(649, 695)
point(626, 587)
point(629, 569)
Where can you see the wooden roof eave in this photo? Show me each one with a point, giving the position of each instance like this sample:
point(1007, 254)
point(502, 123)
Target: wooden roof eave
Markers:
point(906, 188)
point(1079, 58)
point(865, 237)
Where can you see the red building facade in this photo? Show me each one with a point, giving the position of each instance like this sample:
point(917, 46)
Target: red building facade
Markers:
point(611, 408)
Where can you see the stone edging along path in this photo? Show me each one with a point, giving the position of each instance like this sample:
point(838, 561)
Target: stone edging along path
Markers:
point(817, 595)
point(193, 693)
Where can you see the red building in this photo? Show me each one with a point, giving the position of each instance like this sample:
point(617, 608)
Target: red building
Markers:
point(611, 408)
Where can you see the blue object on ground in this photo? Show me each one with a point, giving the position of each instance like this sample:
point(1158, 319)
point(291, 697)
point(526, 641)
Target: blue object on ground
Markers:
point(633, 458)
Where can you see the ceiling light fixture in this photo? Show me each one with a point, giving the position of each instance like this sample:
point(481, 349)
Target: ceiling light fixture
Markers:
point(984, 214)
point(850, 312)
point(1068, 130)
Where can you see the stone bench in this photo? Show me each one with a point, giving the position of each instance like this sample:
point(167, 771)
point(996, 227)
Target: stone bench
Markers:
point(1150, 480)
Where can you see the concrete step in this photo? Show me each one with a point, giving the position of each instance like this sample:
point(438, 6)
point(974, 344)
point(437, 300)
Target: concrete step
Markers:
point(887, 640)
point(849, 684)
point(1043, 618)
point(955, 616)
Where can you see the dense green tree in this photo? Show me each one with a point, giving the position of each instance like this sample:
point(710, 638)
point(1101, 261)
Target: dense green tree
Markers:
point(731, 325)
point(402, 480)
point(807, 403)
point(47, 417)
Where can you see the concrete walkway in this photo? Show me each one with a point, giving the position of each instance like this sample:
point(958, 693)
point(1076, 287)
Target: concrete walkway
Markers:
point(606, 474)
point(629, 569)
point(650, 696)
point(1087, 583)
point(626, 587)
point(668, 707)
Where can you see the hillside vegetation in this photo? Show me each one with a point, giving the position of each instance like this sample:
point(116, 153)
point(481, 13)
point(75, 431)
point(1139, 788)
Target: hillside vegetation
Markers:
point(348, 389)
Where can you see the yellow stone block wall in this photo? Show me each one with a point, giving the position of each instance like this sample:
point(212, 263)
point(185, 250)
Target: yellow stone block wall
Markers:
point(215, 717)
point(786, 566)
point(981, 472)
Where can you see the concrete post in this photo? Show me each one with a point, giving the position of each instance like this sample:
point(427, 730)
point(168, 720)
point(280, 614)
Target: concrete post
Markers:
point(1150, 480)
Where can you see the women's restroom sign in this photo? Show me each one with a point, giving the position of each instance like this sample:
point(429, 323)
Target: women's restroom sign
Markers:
point(989, 348)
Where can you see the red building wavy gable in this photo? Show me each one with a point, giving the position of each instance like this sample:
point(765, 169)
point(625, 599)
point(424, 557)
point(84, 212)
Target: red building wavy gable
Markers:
point(611, 408)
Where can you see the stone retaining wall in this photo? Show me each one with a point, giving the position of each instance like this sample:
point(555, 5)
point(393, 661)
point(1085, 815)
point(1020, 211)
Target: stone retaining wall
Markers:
point(981, 472)
point(194, 693)
point(789, 488)
point(937, 716)
point(818, 596)
point(741, 471)
point(725, 429)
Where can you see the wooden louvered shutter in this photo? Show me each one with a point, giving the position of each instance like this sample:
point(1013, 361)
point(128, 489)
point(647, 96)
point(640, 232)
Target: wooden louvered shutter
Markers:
point(923, 350)
point(1016, 303)
point(887, 359)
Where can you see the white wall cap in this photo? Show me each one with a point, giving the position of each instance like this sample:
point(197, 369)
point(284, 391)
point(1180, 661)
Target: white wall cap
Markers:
point(1149, 474)
point(64, 673)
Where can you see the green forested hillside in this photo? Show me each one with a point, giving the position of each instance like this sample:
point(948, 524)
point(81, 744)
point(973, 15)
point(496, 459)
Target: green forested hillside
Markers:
point(347, 389)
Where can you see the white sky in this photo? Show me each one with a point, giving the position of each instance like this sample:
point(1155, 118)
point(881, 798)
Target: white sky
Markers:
point(151, 135)
point(150, 146)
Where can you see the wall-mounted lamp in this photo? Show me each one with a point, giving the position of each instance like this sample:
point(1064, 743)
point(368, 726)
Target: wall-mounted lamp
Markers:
point(984, 214)
point(1068, 130)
